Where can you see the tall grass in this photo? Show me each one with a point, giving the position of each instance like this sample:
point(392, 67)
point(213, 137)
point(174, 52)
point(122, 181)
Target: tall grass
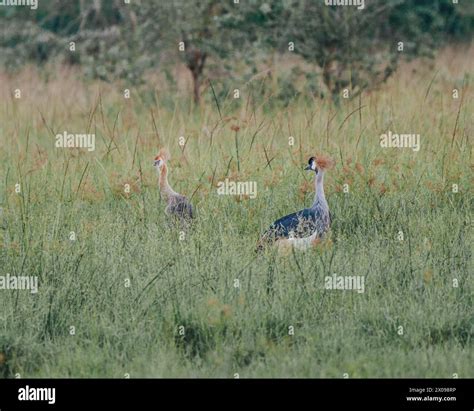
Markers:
point(182, 315)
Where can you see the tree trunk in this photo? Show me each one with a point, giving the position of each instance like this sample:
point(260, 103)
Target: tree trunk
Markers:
point(195, 60)
point(196, 87)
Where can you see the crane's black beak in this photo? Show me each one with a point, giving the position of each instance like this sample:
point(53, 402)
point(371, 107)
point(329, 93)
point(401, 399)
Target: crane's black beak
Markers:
point(307, 168)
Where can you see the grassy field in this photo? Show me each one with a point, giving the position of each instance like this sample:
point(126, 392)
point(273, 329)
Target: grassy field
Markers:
point(145, 302)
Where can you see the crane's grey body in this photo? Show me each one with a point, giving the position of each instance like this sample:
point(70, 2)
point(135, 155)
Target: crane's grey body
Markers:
point(177, 205)
point(302, 223)
point(310, 222)
point(180, 207)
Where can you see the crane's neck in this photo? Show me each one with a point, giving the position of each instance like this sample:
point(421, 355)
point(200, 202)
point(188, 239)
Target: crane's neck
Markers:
point(165, 188)
point(319, 197)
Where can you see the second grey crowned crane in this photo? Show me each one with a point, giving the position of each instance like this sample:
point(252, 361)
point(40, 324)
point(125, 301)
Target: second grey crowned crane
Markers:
point(178, 206)
point(306, 227)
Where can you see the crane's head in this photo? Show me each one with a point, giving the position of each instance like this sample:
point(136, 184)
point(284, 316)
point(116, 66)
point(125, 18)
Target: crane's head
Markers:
point(319, 164)
point(158, 162)
point(312, 165)
point(162, 157)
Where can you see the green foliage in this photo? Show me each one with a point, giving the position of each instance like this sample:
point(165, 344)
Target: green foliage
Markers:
point(346, 43)
point(355, 49)
point(22, 42)
point(430, 23)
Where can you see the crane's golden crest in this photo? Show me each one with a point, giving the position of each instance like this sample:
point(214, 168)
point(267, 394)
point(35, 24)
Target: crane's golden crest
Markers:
point(163, 155)
point(324, 162)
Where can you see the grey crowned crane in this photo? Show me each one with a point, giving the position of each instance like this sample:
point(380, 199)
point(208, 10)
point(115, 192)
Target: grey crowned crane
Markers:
point(305, 228)
point(178, 206)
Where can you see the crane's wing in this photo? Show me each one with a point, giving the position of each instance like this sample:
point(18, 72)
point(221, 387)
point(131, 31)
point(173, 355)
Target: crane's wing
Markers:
point(180, 206)
point(309, 223)
point(298, 225)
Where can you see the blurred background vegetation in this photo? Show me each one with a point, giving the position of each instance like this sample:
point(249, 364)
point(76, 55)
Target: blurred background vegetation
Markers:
point(339, 47)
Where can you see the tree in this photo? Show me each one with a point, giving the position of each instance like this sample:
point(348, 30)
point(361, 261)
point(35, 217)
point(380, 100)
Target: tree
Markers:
point(219, 31)
point(355, 49)
point(346, 43)
point(360, 49)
